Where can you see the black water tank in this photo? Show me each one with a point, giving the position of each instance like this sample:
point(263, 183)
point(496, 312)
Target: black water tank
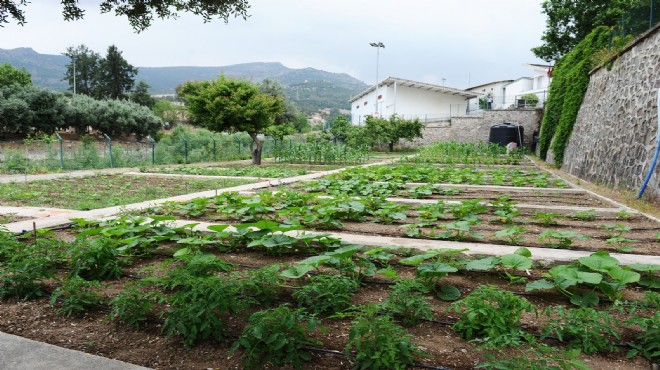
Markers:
point(506, 133)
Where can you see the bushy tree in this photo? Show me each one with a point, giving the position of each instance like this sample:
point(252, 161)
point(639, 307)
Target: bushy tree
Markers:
point(232, 105)
point(141, 95)
point(10, 75)
point(140, 13)
point(115, 76)
point(86, 70)
point(25, 109)
point(340, 128)
point(570, 21)
point(380, 131)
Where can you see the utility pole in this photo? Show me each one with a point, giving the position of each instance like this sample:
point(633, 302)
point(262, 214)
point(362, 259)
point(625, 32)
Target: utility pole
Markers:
point(377, 45)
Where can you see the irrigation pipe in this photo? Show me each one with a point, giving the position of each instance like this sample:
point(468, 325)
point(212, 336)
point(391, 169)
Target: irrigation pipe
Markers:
point(657, 151)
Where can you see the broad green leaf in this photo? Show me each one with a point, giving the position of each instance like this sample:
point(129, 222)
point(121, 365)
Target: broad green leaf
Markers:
point(163, 218)
point(345, 252)
point(416, 259)
point(483, 264)
point(523, 252)
point(182, 252)
point(315, 261)
point(651, 282)
point(448, 293)
point(435, 269)
point(623, 276)
point(516, 261)
point(218, 228)
point(296, 272)
point(644, 267)
point(600, 261)
point(538, 285)
point(278, 240)
point(588, 299)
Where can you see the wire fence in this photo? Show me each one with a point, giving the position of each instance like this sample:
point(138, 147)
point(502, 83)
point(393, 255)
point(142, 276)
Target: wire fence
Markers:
point(56, 154)
point(644, 16)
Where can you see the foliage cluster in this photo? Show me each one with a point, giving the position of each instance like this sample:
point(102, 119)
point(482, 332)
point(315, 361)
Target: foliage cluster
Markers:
point(570, 81)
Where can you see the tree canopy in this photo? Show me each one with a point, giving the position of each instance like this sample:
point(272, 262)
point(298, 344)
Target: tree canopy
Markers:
point(10, 75)
point(140, 13)
point(232, 105)
point(111, 77)
point(570, 21)
point(380, 131)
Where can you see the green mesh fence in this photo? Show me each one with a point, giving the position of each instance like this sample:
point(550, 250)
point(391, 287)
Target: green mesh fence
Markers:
point(644, 16)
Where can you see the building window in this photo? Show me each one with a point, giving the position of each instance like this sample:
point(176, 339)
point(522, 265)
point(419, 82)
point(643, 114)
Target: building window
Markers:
point(380, 97)
point(365, 103)
point(357, 106)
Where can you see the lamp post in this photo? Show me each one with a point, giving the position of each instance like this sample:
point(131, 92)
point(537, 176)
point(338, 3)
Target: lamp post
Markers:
point(74, 73)
point(377, 45)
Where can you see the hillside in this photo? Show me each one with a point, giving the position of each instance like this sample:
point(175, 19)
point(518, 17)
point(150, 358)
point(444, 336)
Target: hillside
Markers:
point(311, 89)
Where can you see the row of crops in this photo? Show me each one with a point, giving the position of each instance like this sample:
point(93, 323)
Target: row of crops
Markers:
point(189, 286)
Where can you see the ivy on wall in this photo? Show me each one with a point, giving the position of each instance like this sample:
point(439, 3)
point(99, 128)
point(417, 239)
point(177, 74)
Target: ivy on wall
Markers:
point(569, 84)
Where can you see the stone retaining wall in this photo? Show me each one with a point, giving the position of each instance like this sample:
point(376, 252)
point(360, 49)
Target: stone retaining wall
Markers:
point(477, 128)
point(614, 137)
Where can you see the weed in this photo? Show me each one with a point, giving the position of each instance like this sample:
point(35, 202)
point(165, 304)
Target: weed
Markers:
point(132, 306)
point(583, 328)
point(407, 303)
point(326, 294)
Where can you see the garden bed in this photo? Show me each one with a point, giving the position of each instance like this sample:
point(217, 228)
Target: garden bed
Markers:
point(102, 191)
point(95, 332)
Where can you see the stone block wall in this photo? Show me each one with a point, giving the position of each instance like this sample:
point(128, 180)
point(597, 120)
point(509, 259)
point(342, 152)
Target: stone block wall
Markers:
point(614, 137)
point(477, 128)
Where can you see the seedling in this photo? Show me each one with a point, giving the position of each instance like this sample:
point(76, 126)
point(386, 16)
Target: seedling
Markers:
point(563, 239)
point(547, 218)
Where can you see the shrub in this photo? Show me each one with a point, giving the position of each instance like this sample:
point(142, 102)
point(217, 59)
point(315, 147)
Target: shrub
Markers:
point(96, 259)
point(583, 328)
point(132, 306)
point(75, 296)
point(407, 303)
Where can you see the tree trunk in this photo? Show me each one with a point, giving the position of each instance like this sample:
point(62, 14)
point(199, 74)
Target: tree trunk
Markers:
point(391, 146)
point(256, 149)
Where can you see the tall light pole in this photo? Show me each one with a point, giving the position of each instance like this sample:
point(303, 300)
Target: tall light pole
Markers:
point(74, 73)
point(377, 45)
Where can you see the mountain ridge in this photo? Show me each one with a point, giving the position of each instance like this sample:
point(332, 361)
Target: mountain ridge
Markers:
point(310, 88)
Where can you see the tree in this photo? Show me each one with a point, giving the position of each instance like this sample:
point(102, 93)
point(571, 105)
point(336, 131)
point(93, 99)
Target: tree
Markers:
point(140, 13)
point(232, 105)
point(10, 75)
point(141, 95)
point(85, 62)
point(380, 131)
point(115, 76)
point(26, 109)
point(570, 21)
point(340, 128)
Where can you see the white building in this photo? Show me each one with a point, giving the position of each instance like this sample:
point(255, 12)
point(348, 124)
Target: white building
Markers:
point(507, 94)
point(409, 100)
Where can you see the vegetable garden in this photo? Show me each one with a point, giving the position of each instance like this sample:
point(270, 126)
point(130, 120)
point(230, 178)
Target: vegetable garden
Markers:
point(272, 278)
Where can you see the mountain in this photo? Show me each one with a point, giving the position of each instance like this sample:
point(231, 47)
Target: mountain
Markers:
point(311, 89)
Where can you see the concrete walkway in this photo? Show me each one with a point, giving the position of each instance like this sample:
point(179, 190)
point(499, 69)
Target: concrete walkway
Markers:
point(17, 353)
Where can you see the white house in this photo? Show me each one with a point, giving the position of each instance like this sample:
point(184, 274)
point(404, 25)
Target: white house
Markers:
point(409, 100)
point(507, 93)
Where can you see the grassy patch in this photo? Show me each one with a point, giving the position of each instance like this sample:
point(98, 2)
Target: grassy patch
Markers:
point(103, 191)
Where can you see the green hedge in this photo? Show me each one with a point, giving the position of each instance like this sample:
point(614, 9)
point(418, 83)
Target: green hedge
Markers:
point(569, 84)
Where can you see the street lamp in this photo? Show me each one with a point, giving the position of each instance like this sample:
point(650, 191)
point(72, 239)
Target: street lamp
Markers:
point(377, 45)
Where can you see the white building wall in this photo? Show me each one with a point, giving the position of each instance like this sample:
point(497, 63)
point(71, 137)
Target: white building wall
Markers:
point(408, 103)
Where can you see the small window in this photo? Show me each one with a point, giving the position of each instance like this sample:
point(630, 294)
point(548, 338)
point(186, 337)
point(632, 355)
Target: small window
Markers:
point(380, 97)
point(357, 106)
point(365, 103)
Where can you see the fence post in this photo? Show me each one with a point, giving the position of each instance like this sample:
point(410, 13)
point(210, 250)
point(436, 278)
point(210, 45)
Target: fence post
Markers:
point(185, 151)
point(153, 149)
point(61, 150)
point(107, 138)
point(214, 145)
point(238, 140)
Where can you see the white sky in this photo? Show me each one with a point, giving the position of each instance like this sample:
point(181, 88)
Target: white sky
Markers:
point(466, 42)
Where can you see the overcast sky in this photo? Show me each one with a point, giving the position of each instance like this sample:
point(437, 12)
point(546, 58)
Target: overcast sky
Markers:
point(466, 42)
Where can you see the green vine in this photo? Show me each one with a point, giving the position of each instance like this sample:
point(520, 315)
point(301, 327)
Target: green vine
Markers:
point(570, 82)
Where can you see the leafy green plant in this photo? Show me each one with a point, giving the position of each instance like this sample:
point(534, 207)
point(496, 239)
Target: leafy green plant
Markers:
point(511, 234)
point(538, 357)
point(132, 306)
point(390, 212)
point(277, 336)
point(624, 215)
point(585, 328)
point(407, 303)
point(196, 309)
point(547, 218)
point(379, 343)
point(588, 215)
point(458, 230)
point(263, 285)
point(75, 296)
point(563, 239)
point(492, 316)
point(326, 294)
point(96, 259)
point(646, 343)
